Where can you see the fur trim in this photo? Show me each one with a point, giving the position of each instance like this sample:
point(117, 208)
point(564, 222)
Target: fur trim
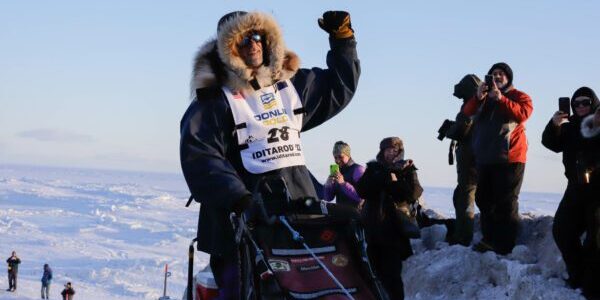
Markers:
point(587, 129)
point(218, 61)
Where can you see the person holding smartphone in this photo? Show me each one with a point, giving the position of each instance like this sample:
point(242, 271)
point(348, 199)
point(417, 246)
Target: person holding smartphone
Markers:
point(500, 148)
point(342, 180)
point(563, 135)
point(390, 187)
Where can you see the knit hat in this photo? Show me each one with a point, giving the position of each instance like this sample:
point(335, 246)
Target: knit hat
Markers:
point(506, 69)
point(341, 147)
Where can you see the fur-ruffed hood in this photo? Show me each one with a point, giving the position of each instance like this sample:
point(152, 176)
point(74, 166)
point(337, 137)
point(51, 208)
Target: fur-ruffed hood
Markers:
point(218, 62)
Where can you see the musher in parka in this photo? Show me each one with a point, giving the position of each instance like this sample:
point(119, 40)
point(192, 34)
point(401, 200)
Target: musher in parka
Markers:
point(252, 101)
point(500, 148)
point(563, 134)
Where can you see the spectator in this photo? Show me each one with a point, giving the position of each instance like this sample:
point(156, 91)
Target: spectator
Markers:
point(13, 268)
point(68, 292)
point(341, 185)
point(563, 134)
point(463, 197)
point(389, 186)
point(46, 280)
point(589, 169)
point(500, 148)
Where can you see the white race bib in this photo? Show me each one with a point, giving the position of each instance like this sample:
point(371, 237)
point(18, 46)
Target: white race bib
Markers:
point(268, 124)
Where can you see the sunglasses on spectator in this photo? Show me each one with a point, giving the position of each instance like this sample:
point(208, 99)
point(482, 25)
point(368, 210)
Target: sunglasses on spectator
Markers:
point(585, 102)
point(250, 37)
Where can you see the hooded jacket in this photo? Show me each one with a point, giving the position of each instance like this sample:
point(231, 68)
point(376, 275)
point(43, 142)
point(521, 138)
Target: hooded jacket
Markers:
point(383, 197)
point(209, 153)
point(567, 137)
point(499, 136)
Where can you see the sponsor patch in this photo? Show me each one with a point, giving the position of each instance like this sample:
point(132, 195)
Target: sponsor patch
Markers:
point(309, 268)
point(250, 139)
point(327, 235)
point(339, 260)
point(279, 265)
point(268, 100)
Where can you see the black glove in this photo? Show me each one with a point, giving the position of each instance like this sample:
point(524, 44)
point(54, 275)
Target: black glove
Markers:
point(242, 204)
point(337, 24)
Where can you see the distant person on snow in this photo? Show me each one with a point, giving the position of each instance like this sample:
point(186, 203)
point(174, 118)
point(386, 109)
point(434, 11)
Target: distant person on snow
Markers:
point(68, 292)
point(46, 280)
point(13, 268)
point(500, 148)
point(390, 187)
point(589, 169)
point(563, 134)
point(341, 185)
point(251, 103)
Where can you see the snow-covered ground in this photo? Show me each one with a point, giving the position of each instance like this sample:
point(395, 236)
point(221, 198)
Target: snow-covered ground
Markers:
point(111, 233)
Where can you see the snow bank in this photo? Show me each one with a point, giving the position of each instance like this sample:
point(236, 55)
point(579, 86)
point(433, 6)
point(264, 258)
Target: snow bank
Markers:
point(532, 271)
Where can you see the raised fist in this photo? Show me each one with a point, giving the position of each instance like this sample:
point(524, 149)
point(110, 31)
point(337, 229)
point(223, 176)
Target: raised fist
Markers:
point(337, 24)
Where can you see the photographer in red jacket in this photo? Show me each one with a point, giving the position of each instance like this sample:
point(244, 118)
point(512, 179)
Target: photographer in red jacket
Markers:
point(500, 148)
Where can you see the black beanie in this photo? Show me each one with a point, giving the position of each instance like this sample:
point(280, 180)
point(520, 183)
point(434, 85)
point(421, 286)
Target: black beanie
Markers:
point(506, 69)
point(224, 19)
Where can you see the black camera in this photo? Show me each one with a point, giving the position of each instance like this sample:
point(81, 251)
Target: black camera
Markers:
point(444, 129)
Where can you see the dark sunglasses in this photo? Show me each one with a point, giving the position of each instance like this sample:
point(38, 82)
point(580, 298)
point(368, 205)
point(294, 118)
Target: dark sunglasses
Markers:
point(250, 37)
point(586, 102)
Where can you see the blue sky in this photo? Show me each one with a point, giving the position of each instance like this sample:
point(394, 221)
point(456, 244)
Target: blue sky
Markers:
point(104, 84)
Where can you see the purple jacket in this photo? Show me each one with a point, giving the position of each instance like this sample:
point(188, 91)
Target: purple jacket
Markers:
point(345, 193)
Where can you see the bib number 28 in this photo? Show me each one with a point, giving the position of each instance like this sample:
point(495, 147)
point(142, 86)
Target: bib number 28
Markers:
point(282, 132)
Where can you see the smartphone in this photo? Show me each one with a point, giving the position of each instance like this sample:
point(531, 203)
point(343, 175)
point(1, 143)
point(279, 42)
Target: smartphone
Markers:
point(333, 169)
point(564, 105)
point(489, 81)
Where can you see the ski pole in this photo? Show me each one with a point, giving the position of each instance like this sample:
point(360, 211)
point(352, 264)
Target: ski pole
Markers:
point(298, 238)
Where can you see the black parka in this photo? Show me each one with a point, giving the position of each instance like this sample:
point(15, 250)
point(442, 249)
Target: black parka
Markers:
point(382, 196)
point(210, 157)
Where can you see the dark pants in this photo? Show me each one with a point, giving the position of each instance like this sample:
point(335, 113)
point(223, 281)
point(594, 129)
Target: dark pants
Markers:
point(387, 263)
point(591, 269)
point(46, 291)
point(464, 194)
point(226, 271)
point(12, 280)
point(568, 227)
point(497, 195)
